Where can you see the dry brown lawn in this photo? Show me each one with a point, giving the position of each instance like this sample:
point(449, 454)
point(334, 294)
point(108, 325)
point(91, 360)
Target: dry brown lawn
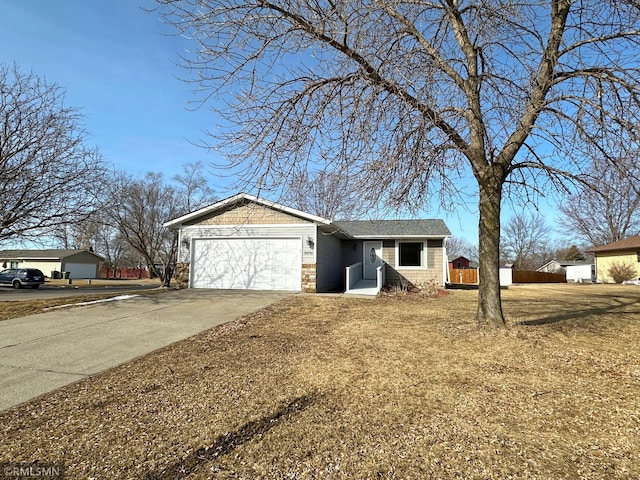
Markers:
point(343, 388)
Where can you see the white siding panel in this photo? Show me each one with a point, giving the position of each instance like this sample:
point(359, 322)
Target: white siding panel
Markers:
point(580, 273)
point(44, 266)
point(506, 276)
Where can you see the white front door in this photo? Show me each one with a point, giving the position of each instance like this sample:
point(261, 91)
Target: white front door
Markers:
point(372, 259)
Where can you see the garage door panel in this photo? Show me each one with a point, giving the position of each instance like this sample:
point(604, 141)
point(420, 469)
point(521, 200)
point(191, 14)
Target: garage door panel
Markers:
point(255, 264)
point(81, 270)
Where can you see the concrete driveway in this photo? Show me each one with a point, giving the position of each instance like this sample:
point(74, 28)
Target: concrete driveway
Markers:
point(42, 352)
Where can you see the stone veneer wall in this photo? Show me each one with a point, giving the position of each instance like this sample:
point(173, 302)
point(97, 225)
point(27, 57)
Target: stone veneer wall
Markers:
point(309, 277)
point(182, 274)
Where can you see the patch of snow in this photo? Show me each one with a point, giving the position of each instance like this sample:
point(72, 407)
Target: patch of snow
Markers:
point(104, 300)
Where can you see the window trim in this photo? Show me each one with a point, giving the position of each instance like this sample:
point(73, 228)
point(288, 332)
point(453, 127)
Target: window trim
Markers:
point(423, 258)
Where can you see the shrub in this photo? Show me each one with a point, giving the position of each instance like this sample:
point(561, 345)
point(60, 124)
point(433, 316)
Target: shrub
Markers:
point(621, 271)
point(428, 289)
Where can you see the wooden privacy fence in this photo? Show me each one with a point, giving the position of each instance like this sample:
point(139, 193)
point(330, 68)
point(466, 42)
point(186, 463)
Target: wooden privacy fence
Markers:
point(123, 272)
point(470, 276)
point(463, 275)
point(530, 276)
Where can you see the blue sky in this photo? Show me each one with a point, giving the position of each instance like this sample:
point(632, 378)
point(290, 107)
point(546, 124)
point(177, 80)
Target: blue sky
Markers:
point(118, 65)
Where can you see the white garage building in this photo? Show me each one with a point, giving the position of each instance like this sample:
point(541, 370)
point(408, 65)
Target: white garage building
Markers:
point(79, 263)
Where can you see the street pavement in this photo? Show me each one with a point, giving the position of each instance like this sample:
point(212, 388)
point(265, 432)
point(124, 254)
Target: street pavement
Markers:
point(9, 294)
point(40, 353)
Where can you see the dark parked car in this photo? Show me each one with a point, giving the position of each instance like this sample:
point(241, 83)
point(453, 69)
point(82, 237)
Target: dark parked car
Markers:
point(22, 277)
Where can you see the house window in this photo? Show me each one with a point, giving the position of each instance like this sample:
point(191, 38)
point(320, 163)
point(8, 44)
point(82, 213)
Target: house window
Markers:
point(638, 255)
point(410, 254)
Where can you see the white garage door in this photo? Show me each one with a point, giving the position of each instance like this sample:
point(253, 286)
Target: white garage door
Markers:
point(80, 270)
point(247, 263)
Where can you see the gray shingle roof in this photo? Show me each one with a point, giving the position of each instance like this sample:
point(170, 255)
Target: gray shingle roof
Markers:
point(52, 253)
point(394, 228)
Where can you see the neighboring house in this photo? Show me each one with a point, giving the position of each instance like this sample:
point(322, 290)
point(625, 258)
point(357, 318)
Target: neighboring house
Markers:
point(625, 251)
point(552, 266)
point(79, 263)
point(245, 242)
point(461, 263)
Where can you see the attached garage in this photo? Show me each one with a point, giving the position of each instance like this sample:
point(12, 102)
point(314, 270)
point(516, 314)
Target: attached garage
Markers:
point(246, 263)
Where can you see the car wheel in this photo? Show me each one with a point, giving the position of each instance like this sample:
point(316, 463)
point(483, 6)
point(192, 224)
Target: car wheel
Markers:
point(17, 284)
point(35, 286)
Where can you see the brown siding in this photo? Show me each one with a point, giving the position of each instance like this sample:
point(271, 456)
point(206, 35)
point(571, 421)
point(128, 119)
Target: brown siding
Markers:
point(389, 252)
point(415, 277)
point(84, 257)
point(248, 214)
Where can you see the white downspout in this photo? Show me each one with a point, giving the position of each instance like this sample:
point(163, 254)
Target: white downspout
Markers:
point(445, 261)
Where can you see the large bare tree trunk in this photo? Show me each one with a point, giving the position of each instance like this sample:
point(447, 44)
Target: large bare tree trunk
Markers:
point(489, 302)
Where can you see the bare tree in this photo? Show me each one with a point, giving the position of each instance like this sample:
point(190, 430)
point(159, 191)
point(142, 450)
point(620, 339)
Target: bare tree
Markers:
point(194, 186)
point(411, 95)
point(525, 239)
point(326, 194)
point(138, 212)
point(461, 247)
point(49, 178)
point(142, 206)
point(80, 235)
point(608, 209)
point(98, 234)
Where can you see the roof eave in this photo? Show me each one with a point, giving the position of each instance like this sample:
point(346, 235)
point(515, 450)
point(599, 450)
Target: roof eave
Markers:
point(177, 222)
point(398, 237)
point(615, 250)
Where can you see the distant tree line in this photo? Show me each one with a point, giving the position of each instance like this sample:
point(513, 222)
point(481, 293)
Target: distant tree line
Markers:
point(54, 186)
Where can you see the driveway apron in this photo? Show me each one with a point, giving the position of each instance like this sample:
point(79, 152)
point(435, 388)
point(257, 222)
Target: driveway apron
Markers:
point(42, 352)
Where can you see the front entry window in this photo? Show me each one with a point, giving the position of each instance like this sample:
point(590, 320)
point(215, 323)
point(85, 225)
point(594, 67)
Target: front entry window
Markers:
point(410, 254)
point(372, 255)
